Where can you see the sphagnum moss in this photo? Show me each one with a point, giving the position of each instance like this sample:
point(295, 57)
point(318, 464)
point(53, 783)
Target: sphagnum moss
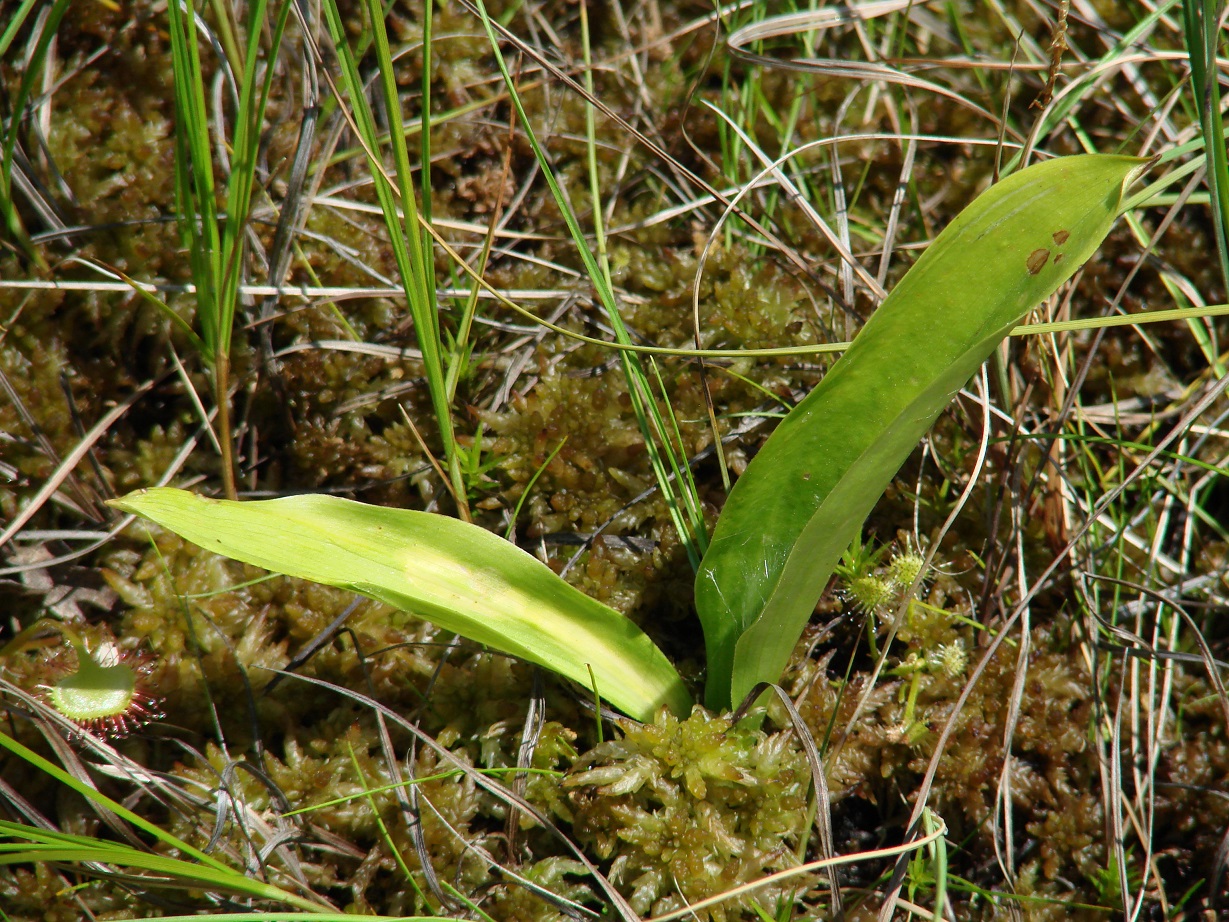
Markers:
point(690, 808)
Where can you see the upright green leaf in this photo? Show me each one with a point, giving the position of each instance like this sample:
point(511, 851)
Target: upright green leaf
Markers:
point(449, 572)
point(1201, 20)
point(806, 494)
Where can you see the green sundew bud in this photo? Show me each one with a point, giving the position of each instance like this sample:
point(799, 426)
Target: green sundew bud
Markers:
point(871, 593)
point(905, 568)
point(950, 658)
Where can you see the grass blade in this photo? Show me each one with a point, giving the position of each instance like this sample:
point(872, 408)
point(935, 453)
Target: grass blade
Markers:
point(8, 142)
point(410, 243)
point(1201, 21)
point(217, 246)
point(691, 528)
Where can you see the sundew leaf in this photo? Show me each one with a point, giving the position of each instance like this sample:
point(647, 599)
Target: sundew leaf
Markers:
point(806, 494)
point(448, 572)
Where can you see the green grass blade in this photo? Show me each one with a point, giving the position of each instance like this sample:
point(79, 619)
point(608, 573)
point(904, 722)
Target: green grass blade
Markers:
point(410, 243)
point(15, 23)
point(253, 99)
point(449, 572)
point(1201, 22)
point(216, 250)
point(167, 873)
point(195, 194)
point(424, 134)
point(805, 495)
point(95, 796)
point(8, 144)
point(692, 531)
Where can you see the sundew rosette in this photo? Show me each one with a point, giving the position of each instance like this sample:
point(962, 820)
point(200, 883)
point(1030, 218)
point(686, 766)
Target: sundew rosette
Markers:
point(107, 690)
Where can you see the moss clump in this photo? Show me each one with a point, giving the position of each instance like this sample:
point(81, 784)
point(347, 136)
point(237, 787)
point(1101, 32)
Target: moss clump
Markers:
point(39, 891)
point(689, 809)
point(879, 758)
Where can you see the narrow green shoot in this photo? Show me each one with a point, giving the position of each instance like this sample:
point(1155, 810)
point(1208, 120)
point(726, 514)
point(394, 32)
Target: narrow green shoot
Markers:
point(459, 345)
point(385, 836)
point(97, 857)
point(411, 244)
point(8, 143)
point(520, 502)
point(424, 134)
point(367, 792)
point(96, 797)
point(692, 531)
point(1202, 30)
point(18, 20)
point(217, 244)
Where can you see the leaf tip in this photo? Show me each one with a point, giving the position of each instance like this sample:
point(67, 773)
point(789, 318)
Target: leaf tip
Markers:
point(129, 501)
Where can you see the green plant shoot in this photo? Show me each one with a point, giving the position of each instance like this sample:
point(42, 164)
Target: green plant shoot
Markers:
point(216, 244)
point(788, 519)
point(806, 494)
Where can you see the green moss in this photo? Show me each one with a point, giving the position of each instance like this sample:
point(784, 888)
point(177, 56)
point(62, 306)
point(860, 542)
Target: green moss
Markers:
point(688, 809)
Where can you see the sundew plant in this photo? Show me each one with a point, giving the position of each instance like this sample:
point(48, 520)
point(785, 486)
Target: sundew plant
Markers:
point(601, 461)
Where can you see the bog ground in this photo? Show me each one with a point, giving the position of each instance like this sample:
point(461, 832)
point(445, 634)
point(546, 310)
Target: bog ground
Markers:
point(205, 284)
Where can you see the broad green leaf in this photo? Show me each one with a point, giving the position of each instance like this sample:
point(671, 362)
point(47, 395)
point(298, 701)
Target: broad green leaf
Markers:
point(806, 494)
point(448, 572)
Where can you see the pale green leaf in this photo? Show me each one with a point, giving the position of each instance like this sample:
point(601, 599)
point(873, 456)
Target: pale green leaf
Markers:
point(448, 572)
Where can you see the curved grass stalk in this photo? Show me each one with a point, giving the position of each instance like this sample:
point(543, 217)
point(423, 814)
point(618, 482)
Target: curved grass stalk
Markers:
point(216, 244)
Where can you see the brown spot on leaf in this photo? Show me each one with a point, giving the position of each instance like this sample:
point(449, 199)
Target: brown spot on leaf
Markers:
point(1036, 260)
point(1060, 237)
point(1058, 257)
